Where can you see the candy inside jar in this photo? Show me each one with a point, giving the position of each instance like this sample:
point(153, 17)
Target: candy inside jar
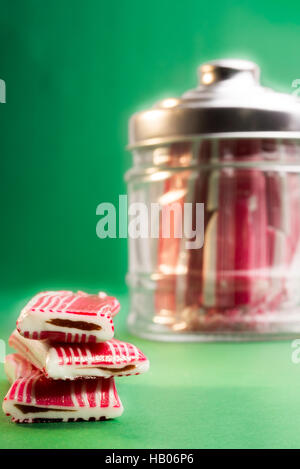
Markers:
point(233, 147)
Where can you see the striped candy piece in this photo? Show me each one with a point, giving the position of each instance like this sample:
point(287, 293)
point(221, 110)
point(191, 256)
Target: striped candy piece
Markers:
point(63, 361)
point(64, 316)
point(171, 255)
point(227, 278)
point(34, 398)
point(16, 366)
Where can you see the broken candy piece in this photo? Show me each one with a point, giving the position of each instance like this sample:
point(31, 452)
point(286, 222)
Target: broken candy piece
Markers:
point(34, 398)
point(63, 361)
point(64, 316)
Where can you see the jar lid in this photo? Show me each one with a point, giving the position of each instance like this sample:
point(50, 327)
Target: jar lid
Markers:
point(228, 103)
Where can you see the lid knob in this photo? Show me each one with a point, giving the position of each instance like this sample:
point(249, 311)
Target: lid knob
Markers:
point(220, 70)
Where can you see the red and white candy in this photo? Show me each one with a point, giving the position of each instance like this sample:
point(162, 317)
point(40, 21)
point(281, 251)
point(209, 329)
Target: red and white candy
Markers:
point(34, 398)
point(16, 366)
point(64, 316)
point(70, 361)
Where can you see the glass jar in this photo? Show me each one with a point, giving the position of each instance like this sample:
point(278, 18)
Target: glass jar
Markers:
point(219, 170)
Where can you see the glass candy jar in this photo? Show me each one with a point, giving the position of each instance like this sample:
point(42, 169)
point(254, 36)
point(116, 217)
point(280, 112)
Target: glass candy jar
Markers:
point(229, 152)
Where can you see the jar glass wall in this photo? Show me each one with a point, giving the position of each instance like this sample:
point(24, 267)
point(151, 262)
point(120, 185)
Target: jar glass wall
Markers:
point(242, 281)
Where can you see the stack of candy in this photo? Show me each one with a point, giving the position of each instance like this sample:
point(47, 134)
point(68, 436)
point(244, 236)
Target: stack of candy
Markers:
point(67, 359)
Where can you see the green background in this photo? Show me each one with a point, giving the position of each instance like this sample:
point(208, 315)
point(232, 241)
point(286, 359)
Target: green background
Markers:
point(75, 71)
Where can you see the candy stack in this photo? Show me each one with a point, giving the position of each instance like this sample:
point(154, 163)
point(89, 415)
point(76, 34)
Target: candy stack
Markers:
point(67, 359)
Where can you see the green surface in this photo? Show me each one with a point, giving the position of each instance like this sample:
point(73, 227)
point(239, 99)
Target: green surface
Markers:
point(194, 396)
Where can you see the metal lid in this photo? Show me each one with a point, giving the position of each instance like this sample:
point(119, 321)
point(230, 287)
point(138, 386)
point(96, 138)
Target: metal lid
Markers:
point(228, 103)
